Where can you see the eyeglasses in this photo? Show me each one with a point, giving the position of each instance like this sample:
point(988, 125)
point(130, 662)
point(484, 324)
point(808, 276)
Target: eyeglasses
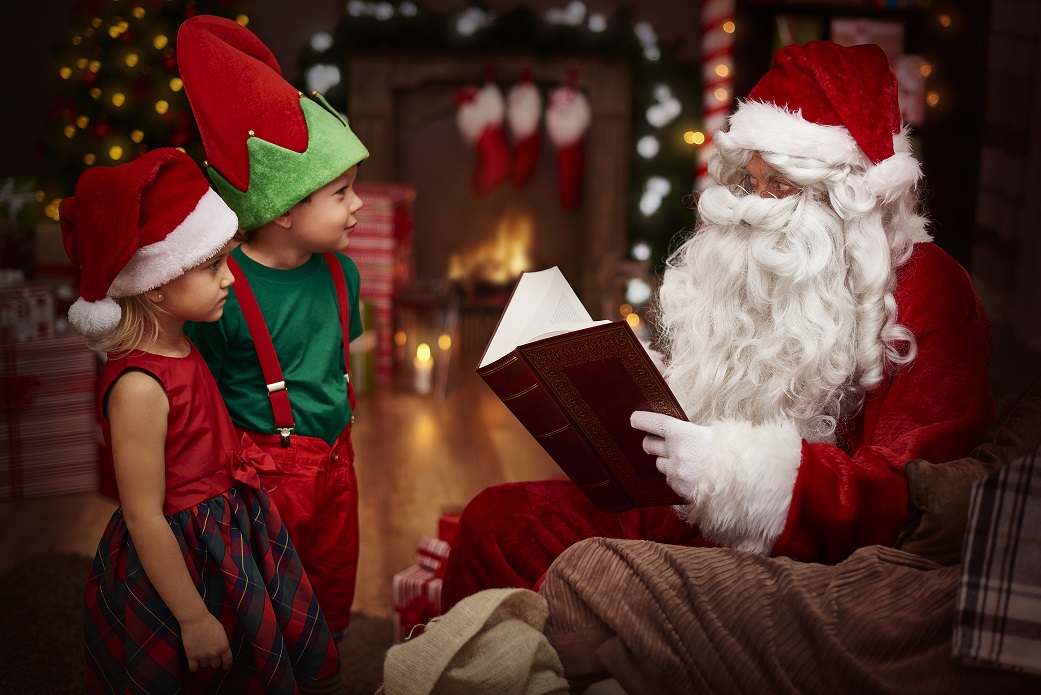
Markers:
point(775, 187)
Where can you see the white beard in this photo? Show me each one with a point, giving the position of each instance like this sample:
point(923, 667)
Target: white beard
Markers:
point(758, 316)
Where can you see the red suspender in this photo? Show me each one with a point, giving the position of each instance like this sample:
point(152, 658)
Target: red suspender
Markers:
point(345, 320)
point(276, 383)
point(272, 370)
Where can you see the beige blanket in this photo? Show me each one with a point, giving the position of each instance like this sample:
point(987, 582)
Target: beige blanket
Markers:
point(490, 643)
point(668, 619)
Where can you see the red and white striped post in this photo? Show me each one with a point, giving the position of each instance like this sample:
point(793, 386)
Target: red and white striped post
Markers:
point(717, 60)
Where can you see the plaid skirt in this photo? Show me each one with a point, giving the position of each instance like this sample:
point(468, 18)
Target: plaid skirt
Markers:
point(241, 559)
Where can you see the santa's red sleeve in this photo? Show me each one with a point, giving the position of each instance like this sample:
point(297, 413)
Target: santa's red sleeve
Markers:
point(767, 490)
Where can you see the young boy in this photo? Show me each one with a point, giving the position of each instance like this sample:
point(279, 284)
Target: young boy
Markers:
point(286, 165)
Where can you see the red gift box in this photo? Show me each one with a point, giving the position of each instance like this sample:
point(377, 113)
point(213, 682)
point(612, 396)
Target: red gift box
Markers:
point(432, 554)
point(447, 526)
point(417, 590)
point(417, 601)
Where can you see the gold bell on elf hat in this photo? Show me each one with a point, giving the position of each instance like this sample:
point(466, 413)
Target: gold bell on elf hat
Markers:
point(136, 226)
point(268, 146)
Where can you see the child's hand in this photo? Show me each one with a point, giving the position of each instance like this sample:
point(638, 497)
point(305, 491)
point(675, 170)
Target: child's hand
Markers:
point(206, 643)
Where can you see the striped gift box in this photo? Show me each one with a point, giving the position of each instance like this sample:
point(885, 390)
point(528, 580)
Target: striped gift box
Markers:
point(48, 428)
point(432, 554)
point(381, 246)
point(417, 600)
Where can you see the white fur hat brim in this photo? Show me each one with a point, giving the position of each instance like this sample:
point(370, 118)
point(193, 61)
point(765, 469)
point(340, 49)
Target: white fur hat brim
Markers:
point(764, 127)
point(202, 233)
point(199, 237)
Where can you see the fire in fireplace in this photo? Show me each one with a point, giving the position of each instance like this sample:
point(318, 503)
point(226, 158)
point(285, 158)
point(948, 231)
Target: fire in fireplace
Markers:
point(498, 259)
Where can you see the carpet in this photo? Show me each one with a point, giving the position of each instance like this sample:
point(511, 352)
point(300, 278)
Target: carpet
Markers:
point(41, 638)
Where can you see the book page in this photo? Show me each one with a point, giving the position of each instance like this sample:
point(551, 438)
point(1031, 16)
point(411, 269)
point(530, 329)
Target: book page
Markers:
point(559, 328)
point(540, 300)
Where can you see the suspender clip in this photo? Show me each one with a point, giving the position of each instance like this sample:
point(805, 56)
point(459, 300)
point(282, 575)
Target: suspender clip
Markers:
point(277, 386)
point(284, 431)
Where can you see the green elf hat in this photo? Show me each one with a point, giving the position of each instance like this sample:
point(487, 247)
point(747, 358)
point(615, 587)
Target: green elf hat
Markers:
point(267, 145)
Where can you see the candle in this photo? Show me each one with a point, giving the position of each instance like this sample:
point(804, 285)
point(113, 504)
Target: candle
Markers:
point(423, 369)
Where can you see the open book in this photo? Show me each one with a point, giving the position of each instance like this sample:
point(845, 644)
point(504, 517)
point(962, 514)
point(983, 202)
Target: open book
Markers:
point(573, 383)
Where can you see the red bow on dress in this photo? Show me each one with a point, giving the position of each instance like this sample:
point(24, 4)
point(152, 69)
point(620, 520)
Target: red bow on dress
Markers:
point(248, 460)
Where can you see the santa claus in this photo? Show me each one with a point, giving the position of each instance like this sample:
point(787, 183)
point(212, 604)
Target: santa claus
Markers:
point(815, 337)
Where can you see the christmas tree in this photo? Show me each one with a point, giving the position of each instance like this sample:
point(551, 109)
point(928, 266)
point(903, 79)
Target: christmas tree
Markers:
point(119, 93)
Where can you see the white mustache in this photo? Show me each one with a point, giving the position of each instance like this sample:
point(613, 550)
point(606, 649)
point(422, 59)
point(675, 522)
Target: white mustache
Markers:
point(776, 225)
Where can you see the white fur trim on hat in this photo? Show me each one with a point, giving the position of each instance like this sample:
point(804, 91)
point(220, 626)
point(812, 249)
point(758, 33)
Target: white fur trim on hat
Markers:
point(94, 320)
point(758, 126)
point(891, 177)
point(202, 233)
point(745, 490)
point(769, 128)
point(487, 108)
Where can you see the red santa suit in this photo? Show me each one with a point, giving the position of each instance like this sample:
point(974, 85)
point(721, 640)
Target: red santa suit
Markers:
point(846, 495)
point(763, 487)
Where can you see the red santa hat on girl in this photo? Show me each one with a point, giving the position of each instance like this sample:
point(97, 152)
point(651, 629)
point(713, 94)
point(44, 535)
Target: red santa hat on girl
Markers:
point(133, 227)
point(837, 104)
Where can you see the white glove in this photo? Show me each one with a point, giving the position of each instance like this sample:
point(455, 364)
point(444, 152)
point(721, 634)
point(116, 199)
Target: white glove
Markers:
point(681, 448)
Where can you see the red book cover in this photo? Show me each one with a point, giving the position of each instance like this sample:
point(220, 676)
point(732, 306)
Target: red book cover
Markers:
point(574, 386)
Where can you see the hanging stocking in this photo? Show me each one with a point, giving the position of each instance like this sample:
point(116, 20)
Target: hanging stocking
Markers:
point(479, 116)
point(567, 120)
point(523, 110)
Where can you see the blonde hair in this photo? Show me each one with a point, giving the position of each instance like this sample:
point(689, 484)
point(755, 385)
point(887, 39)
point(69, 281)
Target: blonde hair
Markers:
point(138, 326)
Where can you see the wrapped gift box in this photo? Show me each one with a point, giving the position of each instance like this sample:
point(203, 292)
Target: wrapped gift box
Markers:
point(417, 600)
point(432, 554)
point(447, 525)
point(48, 430)
point(381, 246)
point(417, 590)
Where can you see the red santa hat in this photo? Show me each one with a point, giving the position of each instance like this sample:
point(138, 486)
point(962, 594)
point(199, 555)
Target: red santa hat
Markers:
point(837, 104)
point(136, 226)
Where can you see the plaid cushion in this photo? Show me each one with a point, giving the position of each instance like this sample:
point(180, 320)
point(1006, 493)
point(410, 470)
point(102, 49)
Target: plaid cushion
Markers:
point(998, 615)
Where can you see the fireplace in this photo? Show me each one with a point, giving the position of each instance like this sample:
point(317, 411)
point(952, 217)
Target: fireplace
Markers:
point(403, 108)
point(468, 250)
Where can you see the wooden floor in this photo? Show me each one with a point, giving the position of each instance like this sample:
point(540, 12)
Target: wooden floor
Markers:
point(416, 457)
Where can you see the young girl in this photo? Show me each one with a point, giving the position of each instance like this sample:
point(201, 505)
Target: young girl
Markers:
point(195, 586)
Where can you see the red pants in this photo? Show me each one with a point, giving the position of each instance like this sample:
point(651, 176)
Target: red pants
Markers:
point(316, 491)
point(510, 534)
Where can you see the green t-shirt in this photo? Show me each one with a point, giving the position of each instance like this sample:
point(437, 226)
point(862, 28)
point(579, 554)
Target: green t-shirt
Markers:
point(302, 315)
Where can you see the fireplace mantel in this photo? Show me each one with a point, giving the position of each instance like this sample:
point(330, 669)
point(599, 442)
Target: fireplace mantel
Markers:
point(390, 95)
